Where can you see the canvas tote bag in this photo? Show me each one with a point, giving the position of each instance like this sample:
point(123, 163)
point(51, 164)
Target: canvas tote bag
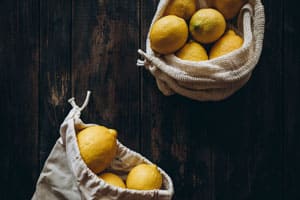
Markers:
point(214, 79)
point(66, 176)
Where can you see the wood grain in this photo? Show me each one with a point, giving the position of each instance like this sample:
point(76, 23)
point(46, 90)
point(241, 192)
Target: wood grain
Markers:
point(55, 71)
point(291, 71)
point(232, 149)
point(248, 156)
point(104, 42)
point(174, 131)
point(243, 148)
point(19, 58)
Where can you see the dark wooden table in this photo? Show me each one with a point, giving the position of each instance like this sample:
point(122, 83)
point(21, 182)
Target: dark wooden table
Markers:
point(246, 147)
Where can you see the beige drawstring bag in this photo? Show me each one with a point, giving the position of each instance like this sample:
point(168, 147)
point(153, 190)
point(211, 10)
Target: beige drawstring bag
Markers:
point(66, 176)
point(214, 79)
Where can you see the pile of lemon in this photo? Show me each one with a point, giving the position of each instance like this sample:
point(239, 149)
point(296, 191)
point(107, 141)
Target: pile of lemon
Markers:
point(98, 148)
point(186, 31)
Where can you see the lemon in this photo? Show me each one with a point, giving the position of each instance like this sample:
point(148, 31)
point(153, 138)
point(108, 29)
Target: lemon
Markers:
point(168, 34)
point(144, 177)
point(97, 146)
point(181, 8)
point(192, 51)
point(113, 179)
point(227, 43)
point(229, 8)
point(207, 25)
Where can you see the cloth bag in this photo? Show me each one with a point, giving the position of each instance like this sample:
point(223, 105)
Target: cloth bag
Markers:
point(66, 176)
point(214, 79)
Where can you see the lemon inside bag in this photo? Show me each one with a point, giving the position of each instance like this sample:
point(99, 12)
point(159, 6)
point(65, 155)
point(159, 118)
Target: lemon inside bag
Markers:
point(123, 161)
point(215, 79)
point(66, 175)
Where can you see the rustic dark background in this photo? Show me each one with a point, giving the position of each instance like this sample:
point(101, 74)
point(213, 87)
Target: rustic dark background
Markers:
point(246, 147)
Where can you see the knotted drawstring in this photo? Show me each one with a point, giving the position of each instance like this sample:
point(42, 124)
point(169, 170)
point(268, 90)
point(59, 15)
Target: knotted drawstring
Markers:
point(76, 111)
point(140, 62)
point(147, 58)
point(86, 101)
point(74, 115)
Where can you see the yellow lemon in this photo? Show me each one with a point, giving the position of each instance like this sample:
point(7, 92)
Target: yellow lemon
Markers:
point(181, 8)
point(144, 177)
point(168, 34)
point(113, 179)
point(227, 43)
point(229, 8)
point(192, 51)
point(97, 146)
point(207, 25)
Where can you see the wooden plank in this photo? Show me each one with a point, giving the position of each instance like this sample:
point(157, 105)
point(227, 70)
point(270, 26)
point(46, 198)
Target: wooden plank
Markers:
point(19, 65)
point(247, 152)
point(238, 140)
point(55, 71)
point(174, 131)
point(291, 73)
point(104, 44)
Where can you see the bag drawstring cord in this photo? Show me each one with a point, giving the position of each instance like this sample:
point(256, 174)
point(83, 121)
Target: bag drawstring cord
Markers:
point(85, 103)
point(147, 58)
point(140, 62)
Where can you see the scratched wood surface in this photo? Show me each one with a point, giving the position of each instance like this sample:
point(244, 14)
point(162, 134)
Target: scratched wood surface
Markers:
point(245, 147)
